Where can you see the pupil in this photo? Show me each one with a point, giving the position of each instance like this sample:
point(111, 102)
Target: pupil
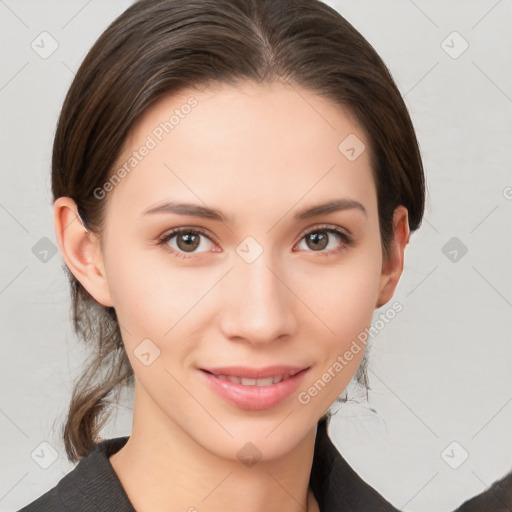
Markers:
point(319, 239)
point(190, 241)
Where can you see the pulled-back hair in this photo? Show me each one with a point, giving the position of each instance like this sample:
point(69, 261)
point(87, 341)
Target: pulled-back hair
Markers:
point(160, 47)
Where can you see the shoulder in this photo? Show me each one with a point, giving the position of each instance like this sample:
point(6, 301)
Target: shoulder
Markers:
point(91, 485)
point(498, 497)
point(336, 485)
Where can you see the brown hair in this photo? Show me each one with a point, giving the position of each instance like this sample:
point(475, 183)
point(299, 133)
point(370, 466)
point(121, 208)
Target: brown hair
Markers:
point(157, 48)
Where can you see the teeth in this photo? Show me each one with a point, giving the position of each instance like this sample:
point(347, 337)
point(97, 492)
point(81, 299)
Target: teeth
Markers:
point(268, 381)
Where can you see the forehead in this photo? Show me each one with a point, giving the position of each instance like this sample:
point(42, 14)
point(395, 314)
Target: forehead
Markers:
point(266, 144)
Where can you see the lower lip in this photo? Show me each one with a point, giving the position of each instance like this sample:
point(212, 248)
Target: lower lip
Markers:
point(254, 398)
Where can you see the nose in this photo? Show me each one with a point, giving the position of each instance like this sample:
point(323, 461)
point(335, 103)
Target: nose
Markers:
point(259, 306)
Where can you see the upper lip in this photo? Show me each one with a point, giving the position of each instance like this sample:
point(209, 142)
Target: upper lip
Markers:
point(256, 373)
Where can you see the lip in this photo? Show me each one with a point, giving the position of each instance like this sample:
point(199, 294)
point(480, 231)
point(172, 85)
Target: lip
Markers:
point(254, 398)
point(255, 373)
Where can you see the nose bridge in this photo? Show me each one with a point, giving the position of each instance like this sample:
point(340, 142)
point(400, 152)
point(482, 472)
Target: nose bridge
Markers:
point(261, 306)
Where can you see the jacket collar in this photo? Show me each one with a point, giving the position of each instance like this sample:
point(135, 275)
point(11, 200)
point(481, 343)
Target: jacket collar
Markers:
point(335, 484)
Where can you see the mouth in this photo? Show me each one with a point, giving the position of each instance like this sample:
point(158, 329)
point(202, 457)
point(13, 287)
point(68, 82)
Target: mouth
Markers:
point(255, 376)
point(254, 389)
point(246, 381)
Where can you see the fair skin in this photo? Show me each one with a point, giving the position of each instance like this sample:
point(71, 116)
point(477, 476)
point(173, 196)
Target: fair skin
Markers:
point(259, 154)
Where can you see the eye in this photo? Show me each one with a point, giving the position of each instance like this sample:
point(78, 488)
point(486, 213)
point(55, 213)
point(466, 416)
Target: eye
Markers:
point(187, 241)
point(324, 237)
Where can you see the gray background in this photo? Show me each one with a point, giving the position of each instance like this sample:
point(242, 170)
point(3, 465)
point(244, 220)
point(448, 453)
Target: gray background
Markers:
point(440, 372)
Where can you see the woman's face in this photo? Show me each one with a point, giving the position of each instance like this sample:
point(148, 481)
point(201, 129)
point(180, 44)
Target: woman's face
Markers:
point(260, 282)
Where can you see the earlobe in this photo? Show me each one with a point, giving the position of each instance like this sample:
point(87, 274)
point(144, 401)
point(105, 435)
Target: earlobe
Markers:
point(393, 265)
point(80, 250)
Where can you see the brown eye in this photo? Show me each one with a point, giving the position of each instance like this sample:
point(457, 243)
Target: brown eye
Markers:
point(323, 238)
point(317, 240)
point(187, 241)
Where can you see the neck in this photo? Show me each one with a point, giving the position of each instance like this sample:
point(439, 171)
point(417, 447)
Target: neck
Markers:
point(162, 468)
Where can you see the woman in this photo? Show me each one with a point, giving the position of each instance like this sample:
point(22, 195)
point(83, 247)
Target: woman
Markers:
point(234, 186)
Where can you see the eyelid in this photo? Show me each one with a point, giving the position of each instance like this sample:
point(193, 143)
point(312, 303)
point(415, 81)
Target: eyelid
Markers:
point(186, 229)
point(320, 227)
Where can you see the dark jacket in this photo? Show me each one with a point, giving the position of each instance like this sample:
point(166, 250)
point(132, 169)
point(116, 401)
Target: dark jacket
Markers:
point(497, 498)
point(94, 486)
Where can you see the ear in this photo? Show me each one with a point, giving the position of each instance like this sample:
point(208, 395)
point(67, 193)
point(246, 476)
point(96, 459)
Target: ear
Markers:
point(81, 250)
point(393, 265)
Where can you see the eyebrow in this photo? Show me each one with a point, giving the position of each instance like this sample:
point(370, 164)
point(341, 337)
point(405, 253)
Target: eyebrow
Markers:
point(195, 210)
point(330, 207)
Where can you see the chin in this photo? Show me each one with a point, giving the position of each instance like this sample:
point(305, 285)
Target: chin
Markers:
point(265, 438)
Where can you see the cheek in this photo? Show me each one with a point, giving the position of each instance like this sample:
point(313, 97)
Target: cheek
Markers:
point(348, 313)
point(344, 296)
point(139, 291)
point(345, 304)
point(155, 299)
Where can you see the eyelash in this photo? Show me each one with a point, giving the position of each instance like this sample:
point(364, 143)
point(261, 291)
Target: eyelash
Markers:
point(345, 238)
